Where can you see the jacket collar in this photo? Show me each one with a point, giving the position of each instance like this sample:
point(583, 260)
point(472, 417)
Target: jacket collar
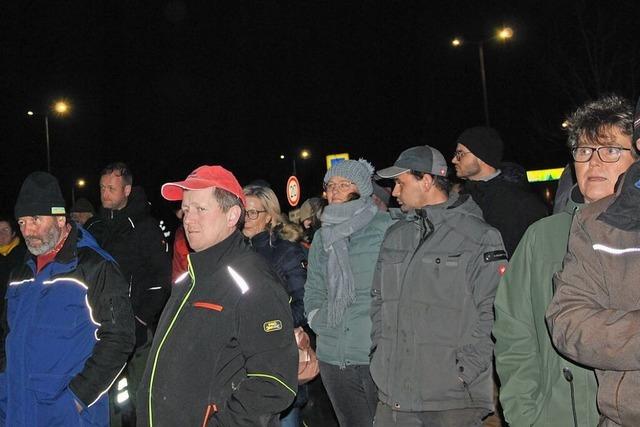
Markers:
point(211, 259)
point(261, 239)
point(623, 213)
point(575, 200)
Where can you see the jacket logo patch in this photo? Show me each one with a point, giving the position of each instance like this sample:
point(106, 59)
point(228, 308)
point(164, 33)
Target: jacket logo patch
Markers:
point(495, 256)
point(272, 325)
point(208, 305)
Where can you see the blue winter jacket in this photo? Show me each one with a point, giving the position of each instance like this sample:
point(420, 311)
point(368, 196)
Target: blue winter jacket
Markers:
point(66, 333)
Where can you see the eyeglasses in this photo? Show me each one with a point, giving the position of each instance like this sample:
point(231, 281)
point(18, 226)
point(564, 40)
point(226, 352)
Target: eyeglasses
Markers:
point(607, 154)
point(458, 154)
point(253, 213)
point(339, 186)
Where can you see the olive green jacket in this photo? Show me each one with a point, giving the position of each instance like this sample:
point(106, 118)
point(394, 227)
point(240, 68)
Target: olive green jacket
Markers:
point(534, 390)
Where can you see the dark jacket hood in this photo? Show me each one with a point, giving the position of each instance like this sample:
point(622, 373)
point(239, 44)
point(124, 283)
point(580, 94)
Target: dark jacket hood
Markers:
point(624, 212)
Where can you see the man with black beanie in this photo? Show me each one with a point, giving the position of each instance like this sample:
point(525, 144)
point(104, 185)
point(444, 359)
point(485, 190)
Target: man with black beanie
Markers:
point(66, 326)
point(506, 205)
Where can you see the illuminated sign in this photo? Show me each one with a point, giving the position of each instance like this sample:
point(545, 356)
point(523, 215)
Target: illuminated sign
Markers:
point(333, 159)
point(544, 175)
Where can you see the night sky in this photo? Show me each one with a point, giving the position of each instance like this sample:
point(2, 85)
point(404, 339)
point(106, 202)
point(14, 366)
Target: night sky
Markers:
point(169, 85)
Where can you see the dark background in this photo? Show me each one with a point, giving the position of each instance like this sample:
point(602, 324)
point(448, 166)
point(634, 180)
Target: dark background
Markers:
point(169, 85)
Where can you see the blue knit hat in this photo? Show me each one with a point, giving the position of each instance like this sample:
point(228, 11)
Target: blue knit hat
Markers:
point(357, 171)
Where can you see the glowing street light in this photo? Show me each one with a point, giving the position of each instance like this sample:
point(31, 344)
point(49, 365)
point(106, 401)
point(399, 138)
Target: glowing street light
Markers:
point(303, 154)
point(61, 108)
point(80, 183)
point(503, 34)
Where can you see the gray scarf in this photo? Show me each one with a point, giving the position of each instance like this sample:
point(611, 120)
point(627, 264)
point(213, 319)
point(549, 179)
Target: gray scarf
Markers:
point(339, 222)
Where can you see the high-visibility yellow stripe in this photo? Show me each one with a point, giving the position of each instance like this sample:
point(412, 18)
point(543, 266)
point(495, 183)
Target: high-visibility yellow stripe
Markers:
point(155, 359)
point(271, 377)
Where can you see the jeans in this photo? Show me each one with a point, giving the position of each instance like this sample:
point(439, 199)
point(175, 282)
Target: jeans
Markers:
point(291, 419)
point(467, 417)
point(352, 392)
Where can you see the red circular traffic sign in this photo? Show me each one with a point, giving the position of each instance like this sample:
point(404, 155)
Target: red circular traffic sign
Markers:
point(293, 191)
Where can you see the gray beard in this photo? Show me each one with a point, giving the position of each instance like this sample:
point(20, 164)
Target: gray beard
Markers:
point(49, 242)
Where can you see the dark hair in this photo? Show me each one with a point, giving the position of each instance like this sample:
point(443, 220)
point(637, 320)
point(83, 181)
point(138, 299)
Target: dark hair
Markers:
point(442, 183)
point(11, 221)
point(592, 119)
point(226, 200)
point(119, 169)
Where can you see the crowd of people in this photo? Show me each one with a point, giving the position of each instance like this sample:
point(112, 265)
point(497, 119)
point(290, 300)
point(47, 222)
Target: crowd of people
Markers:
point(466, 301)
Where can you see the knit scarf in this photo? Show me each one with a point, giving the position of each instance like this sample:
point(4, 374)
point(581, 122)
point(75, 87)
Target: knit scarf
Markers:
point(339, 222)
point(6, 249)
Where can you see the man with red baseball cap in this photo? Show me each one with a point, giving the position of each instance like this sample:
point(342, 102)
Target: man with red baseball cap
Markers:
point(224, 352)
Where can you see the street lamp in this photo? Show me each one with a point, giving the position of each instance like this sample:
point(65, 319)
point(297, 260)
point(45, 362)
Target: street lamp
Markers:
point(303, 154)
point(503, 34)
point(80, 183)
point(61, 108)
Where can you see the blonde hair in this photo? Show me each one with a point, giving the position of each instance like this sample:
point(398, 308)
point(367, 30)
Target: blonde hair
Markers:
point(269, 201)
point(278, 224)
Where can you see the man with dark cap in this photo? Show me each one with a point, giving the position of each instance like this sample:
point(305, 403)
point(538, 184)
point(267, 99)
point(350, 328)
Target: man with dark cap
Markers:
point(593, 317)
point(505, 205)
point(432, 308)
point(67, 325)
point(83, 213)
point(224, 353)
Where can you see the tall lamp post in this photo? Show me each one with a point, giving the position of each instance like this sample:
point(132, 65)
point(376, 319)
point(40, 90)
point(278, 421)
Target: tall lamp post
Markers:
point(80, 183)
point(61, 108)
point(503, 34)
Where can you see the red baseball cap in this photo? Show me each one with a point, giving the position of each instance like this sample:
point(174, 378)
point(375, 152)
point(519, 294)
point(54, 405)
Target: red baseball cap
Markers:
point(204, 177)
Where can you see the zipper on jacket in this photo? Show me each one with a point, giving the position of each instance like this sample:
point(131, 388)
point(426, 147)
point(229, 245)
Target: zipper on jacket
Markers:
point(424, 222)
point(162, 341)
point(113, 316)
point(568, 375)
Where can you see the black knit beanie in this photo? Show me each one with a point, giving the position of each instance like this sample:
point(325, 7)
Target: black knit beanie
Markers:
point(485, 143)
point(40, 195)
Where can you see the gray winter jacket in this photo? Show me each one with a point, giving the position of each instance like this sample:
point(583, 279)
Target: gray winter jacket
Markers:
point(432, 310)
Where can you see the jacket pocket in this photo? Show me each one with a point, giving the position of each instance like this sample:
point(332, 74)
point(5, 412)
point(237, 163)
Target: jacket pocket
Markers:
point(53, 402)
point(447, 279)
point(392, 262)
point(207, 305)
point(440, 379)
point(208, 413)
point(381, 364)
point(627, 398)
point(609, 385)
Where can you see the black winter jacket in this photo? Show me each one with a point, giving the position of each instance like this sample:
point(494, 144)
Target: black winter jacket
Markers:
point(507, 206)
point(289, 261)
point(81, 261)
point(224, 353)
point(9, 261)
point(132, 236)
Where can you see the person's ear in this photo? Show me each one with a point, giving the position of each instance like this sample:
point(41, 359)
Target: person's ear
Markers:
point(233, 216)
